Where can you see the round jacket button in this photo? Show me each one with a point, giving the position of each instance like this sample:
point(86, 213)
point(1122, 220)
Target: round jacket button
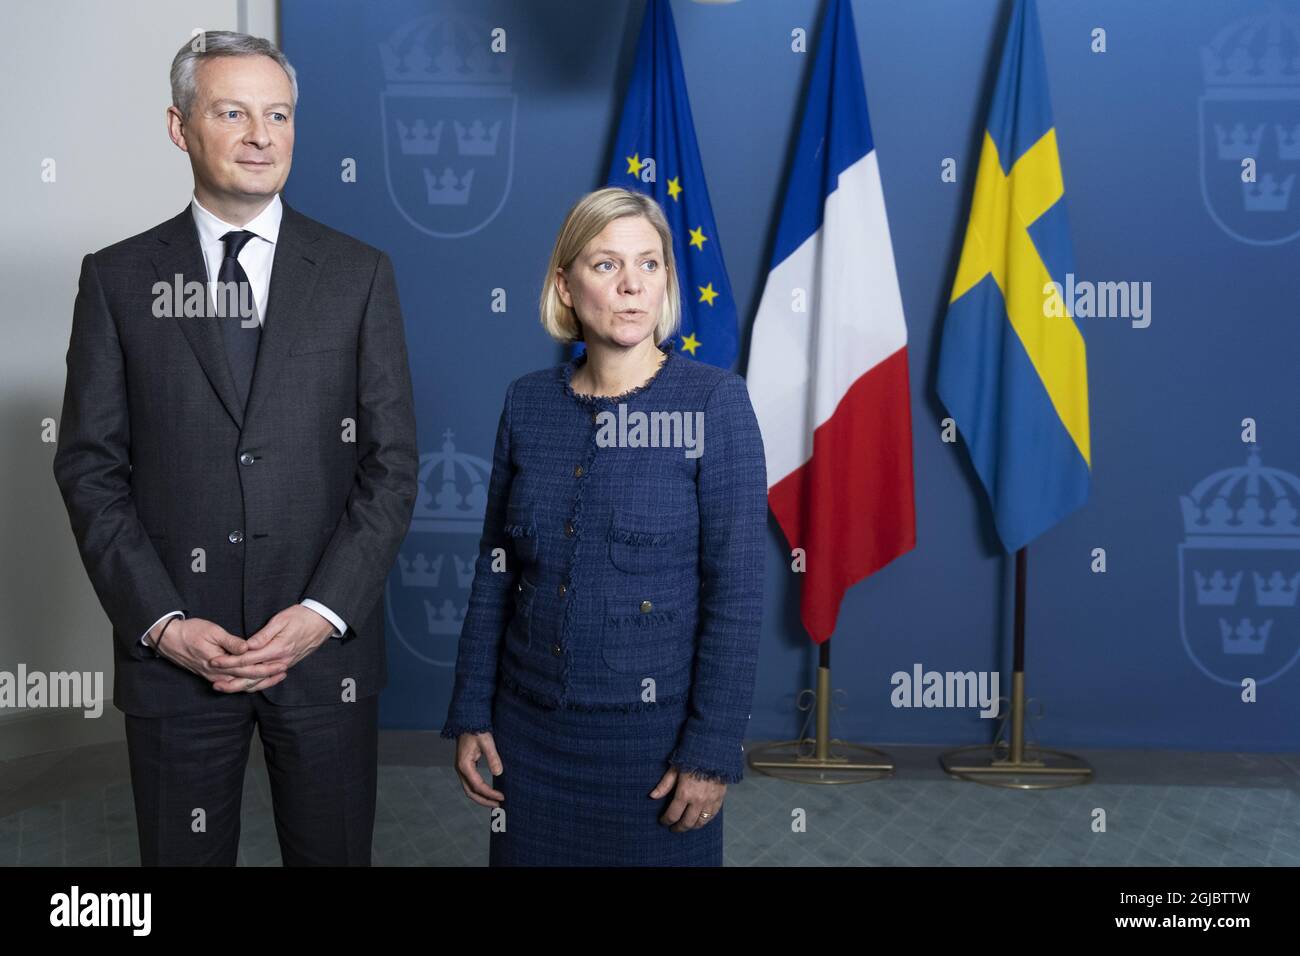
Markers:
point(577, 471)
point(245, 459)
point(568, 528)
point(564, 589)
point(556, 650)
point(236, 536)
point(646, 607)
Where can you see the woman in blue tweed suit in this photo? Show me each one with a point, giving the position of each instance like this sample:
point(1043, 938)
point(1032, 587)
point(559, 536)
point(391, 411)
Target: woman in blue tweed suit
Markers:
point(606, 663)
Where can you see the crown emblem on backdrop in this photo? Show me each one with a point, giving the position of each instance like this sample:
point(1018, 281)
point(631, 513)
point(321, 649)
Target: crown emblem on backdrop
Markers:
point(1245, 638)
point(441, 50)
point(452, 498)
point(448, 189)
point(423, 573)
point(1288, 141)
point(419, 139)
point(1256, 51)
point(1249, 500)
point(1267, 195)
point(444, 618)
point(1218, 589)
point(1277, 591)
point(1253, 500)
point(1239, 571)
point(477, 139)
point(447, 114)
point(448, 56)
point(1250, 127)
point(1239, 143)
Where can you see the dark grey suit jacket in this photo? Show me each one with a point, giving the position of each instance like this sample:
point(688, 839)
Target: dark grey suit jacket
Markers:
point(180, 498)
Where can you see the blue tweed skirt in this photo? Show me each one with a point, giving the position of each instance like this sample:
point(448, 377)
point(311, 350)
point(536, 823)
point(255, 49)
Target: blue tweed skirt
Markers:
point(577, 788)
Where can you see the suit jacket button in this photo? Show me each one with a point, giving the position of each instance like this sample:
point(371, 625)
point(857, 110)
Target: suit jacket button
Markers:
point(564, 588)
point(556, 650)
point(577, 471)
point(646, 607)
point(519, 586)
point(568, 528)
point(246, 459)
point(235, 537)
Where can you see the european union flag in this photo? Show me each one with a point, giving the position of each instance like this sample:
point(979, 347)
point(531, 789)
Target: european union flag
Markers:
point(1012, 366)
point(656, 153)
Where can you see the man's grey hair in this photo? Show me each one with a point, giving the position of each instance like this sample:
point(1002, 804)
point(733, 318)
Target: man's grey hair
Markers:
point(219, 43)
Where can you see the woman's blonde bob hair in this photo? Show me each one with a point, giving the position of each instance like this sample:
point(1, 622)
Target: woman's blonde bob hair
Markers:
point(589, 215)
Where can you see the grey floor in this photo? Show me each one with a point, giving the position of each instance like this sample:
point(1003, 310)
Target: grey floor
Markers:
point(1161, 809)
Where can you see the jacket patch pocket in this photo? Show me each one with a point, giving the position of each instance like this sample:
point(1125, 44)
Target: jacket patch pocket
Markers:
point(645, 643)
point(522, 530)
point(641, 544)
point(520, 627)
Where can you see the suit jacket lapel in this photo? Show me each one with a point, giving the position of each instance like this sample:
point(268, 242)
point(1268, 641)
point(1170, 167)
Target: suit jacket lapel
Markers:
point(179, 253)
point(293, 278)
point(294, 271)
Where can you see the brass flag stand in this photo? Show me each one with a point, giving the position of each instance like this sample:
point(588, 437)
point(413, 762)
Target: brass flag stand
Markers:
point(820, 759)
point(1023, 767)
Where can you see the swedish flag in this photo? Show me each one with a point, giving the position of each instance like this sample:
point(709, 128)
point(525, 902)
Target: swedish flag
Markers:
point(655, 152)
point(1012, 367)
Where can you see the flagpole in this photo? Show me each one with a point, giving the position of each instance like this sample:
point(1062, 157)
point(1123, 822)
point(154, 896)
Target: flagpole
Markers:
point(820, 759)
point(1018, 663)
point(1025, 767)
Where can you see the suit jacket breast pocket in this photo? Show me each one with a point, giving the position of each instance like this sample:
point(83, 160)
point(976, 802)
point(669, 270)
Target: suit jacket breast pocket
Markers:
point(521, 527)
point(645, 544)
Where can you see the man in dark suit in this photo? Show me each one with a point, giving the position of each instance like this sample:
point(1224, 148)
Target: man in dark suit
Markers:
point(239, 471)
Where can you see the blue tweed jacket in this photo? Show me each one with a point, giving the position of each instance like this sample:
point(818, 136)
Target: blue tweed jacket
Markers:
point(611, 575)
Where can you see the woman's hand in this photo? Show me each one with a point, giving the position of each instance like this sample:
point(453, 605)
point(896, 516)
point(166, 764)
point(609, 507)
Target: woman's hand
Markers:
point(694, 798)
point(469, 747)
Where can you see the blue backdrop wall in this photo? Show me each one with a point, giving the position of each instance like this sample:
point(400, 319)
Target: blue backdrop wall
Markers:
point(1133, 656)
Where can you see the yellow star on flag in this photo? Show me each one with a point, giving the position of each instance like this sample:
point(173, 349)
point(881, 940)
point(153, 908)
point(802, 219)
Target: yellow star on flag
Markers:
point(634, 164)
point(707, 293)
point(674, 187)
point(690, 343)
point(697, 237)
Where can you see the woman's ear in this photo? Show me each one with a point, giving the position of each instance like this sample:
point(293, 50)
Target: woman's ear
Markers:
point(562, 287)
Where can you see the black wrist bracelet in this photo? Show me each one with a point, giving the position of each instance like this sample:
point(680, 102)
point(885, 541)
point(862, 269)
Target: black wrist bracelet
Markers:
point(158, 643)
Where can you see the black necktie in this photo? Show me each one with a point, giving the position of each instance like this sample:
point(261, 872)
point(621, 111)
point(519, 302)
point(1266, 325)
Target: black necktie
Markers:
point(241, 340)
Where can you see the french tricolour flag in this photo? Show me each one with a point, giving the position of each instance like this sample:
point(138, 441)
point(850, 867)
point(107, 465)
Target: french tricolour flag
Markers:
point(828, 360)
